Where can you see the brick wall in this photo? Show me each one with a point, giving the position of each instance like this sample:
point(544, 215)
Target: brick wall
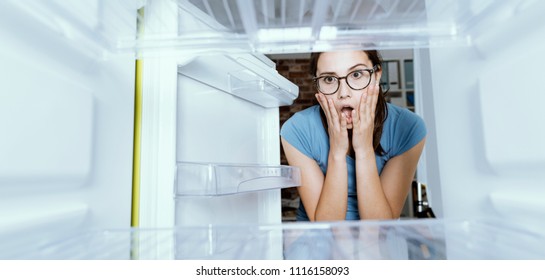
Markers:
point(296, 70)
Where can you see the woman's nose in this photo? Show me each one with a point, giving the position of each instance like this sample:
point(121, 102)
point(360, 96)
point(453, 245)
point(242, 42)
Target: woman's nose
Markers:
point(344, 90)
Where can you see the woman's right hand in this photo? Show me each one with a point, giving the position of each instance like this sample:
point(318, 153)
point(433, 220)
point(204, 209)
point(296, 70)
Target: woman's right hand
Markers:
point(338, 133)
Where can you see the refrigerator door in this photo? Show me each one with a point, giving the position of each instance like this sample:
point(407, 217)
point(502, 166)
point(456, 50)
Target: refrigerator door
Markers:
point(218, 107)
point(483, 104)
point(66, 116)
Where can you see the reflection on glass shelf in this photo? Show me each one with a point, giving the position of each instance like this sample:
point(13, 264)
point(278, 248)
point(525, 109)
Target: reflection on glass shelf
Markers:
point(401, 240)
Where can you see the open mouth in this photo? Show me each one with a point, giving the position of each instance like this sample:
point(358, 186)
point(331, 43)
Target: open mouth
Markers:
point(347, 112)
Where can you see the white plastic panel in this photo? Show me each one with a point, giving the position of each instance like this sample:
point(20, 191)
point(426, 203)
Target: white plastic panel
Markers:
point(487, 116)
point(512, 98)
point(67, 122)
point(204, 132)
point(522, 206)
point(237, 209)
point(38, 220)
point(50, 123)
point(96, 27)
point(215, 127)
point(505, 108)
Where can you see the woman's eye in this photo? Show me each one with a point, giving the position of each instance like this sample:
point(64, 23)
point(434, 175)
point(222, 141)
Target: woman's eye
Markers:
point(356, 74)
point(329, 79)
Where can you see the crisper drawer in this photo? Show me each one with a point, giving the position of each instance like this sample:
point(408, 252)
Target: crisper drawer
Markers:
point(211, 179)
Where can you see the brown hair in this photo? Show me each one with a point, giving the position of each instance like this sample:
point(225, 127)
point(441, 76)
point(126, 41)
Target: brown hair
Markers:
point(381, 111)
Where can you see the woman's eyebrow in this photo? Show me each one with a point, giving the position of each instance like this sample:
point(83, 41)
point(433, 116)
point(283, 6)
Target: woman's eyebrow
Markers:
point(351, 68)
point(327, 73)
point(357, 65)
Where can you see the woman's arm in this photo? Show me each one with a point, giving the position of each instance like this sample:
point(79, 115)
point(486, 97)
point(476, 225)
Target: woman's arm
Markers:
point(379, 197)
point(324, 198)
point(383, 197)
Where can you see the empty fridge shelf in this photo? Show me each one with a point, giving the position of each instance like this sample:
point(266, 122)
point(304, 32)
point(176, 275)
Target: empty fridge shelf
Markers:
point(211, 179)
point(402, 239)
point(283, 26)
point(179, 27)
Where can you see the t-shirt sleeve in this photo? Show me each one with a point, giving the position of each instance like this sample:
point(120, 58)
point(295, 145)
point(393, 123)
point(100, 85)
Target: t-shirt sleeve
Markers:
point(296, 132)
point(410, 130)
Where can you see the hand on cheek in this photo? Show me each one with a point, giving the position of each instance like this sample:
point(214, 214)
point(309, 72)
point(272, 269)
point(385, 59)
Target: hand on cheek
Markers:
point(336, 125)
point(364, 118)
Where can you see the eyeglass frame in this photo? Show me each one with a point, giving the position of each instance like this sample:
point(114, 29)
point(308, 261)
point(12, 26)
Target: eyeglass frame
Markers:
point(371, 72)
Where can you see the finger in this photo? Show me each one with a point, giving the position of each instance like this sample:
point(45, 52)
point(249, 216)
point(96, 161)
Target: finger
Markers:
point(317, 96)
point(333, 112)
point(328, 107)
point(355, 118)
point(319, 99)
point(362, 106)
point(370, 95)
point(374, 98)
point(343, 122)
point(323, 104)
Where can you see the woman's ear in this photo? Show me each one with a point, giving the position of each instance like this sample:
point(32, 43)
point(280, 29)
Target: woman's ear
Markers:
point(378, 74)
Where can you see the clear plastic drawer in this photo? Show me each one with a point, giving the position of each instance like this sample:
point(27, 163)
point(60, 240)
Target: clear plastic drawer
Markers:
point(222, 179)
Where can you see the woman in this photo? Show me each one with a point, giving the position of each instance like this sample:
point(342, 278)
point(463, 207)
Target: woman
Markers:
point(357, 154)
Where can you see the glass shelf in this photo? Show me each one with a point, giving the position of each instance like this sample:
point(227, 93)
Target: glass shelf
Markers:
point(178, 27)
point(211, 179)
point(283, 26)
point(427, 239)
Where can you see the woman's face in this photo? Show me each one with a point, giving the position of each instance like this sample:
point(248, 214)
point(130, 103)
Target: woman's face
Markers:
point(340, 64)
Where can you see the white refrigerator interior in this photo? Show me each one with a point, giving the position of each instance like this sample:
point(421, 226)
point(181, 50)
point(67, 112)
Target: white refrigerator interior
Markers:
point(222, 129)
point(185, 142)
point(66, 115)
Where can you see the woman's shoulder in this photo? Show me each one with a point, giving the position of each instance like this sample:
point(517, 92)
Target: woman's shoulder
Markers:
point(308, 115)
point(304, 131)
point(400, 114)
point(313, 110)
point(402, 129)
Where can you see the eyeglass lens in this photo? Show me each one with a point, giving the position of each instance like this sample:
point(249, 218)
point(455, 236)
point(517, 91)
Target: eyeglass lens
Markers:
point(356, 80)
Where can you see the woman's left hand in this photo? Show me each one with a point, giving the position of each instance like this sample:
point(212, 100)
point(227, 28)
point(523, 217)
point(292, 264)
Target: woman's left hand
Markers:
point(364, 119)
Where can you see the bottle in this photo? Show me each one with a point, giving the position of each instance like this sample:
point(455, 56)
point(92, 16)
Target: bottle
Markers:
point(421, 206)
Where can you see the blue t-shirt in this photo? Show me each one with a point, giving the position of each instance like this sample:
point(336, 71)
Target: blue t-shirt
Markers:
point(402, 130)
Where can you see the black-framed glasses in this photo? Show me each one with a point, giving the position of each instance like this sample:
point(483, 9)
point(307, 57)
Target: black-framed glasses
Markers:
point(356, 80)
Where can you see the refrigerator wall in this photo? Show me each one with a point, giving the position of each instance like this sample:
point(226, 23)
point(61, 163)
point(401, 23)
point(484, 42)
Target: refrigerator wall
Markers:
point(483, 103)
point(66, 116)
point(216, 126)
